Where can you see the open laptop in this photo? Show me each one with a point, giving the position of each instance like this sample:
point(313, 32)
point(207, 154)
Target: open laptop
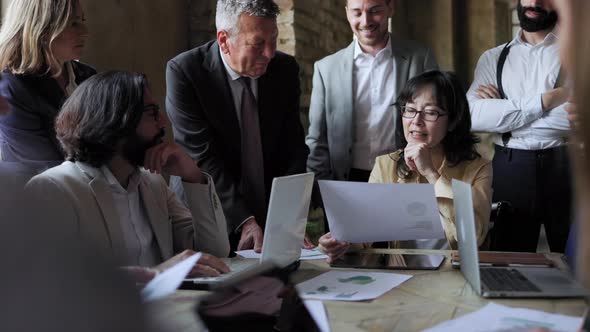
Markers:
point(503, 282)
point(288, 209)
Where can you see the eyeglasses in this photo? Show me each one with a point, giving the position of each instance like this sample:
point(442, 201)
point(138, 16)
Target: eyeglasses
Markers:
point(429, 114)
point(154, 110)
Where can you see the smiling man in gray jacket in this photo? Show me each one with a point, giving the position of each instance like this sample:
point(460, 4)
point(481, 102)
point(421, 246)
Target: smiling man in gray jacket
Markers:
point(351, 121)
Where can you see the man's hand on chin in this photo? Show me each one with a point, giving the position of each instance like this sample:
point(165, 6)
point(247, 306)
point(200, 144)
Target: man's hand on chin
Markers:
point(251, 237)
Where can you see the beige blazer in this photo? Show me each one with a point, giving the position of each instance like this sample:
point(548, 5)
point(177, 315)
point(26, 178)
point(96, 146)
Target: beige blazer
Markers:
point(77, 197)
point(477, 172)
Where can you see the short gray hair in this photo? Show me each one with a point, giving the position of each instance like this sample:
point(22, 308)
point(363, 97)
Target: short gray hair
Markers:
point(229, 11)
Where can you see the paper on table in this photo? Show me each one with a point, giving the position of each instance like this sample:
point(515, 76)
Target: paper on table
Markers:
point(306, 254)
point(318, 313)
point(168, 281)
point(495, 317)
point(350, 286)
point(312, 254)
point(370, 212)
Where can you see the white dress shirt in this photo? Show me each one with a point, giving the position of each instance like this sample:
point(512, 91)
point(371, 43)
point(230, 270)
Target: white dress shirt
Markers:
point(529, 71)
point(72, 85)
point(373, 91)
point(142, 247)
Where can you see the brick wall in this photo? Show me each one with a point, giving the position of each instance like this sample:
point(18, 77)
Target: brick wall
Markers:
point(321, 29)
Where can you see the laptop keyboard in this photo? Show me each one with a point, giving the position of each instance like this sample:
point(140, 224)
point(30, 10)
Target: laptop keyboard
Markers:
point(506, 280)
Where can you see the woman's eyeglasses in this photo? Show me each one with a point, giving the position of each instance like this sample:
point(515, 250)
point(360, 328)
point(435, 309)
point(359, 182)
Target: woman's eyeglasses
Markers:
point(427, 114)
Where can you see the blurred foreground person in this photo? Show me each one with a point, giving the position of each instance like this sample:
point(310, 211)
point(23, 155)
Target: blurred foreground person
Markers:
point(574, 50)
point(54, 283)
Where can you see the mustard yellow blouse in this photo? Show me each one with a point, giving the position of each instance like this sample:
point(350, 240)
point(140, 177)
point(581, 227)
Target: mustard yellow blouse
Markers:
point(477, 172)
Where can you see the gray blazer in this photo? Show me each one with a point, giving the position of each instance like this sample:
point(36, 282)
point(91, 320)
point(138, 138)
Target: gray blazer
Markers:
point(331, 113)
point(77, 197)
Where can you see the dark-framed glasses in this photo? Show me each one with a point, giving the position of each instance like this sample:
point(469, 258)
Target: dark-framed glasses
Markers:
point(428, 114)
point(153, 110)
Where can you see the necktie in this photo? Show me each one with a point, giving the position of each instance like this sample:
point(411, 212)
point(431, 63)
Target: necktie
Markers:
point(252, 158)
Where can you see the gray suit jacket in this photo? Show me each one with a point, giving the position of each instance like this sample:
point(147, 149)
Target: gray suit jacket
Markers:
point(331, 113)
point(77, 197)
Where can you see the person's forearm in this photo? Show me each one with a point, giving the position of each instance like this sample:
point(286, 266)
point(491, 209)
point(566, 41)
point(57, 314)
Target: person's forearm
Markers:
point(553, 98)
point(504, 115)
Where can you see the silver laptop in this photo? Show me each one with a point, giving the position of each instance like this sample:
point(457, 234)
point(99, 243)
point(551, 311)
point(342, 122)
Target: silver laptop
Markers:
point(288, 209)
point(503, 281)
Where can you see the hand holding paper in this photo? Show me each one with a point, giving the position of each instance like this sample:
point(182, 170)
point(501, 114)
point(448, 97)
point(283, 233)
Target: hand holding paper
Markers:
point(168, 281)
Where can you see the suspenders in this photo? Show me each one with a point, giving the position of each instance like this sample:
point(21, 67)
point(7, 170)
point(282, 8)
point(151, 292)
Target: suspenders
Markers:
point(503, 55)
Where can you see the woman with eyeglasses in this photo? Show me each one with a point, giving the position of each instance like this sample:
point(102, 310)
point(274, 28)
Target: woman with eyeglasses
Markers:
point(40, 41)
point(437, 146)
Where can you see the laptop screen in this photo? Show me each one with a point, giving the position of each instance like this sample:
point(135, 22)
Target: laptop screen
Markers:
point(465, 223)
point(288, 209)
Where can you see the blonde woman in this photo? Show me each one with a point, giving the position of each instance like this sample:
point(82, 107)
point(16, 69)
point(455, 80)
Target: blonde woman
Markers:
point(40, 41)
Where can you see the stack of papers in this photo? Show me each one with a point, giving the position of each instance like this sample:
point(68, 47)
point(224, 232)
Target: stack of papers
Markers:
point(350, 286)
point(495, 317)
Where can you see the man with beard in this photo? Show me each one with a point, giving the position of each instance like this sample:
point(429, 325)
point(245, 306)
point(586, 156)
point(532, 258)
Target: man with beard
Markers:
point(109, 128)
point(350, 114)
point(518, 95)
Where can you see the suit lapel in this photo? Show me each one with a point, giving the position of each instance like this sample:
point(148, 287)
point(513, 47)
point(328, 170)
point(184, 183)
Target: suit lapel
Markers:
point(344, 78)
point(267, 84)
point(158, 218)
point(219, 96)
point(104, 199)
point(402, 64)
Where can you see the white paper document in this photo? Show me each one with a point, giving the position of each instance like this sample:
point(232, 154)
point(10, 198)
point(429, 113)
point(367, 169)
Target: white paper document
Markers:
point(370, 212)
point(495, 318)
point(318, 313)
point(306, 254)
point(168, 281)
point(350, 286)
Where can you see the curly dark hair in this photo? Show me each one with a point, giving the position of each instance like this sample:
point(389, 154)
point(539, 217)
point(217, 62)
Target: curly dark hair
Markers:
point(103, 110)
point(459, 143)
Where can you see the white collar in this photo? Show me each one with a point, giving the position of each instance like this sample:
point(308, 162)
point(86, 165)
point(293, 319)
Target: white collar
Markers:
point(113, 182)
point(551, 37)
point(359, 51)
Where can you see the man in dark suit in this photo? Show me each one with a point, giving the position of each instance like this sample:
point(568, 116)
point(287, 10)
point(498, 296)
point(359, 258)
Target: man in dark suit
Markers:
point(234, 106)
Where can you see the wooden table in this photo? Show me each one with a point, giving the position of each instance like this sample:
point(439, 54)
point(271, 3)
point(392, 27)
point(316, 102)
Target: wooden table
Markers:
point(427, 299)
